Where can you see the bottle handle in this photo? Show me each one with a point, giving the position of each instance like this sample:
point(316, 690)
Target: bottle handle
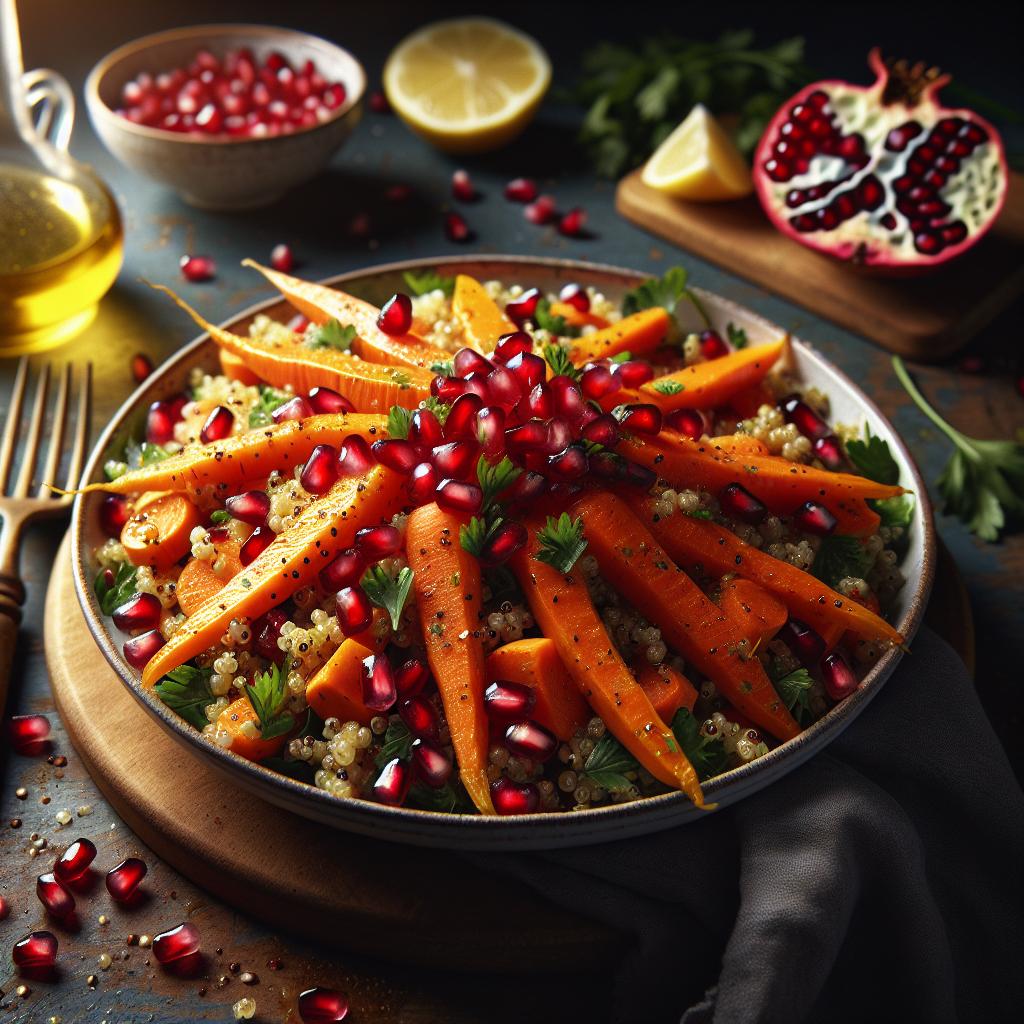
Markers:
point(51, 104)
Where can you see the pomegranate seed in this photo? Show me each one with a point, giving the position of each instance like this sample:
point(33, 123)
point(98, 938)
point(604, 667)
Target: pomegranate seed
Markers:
point(506, 699)
point(176, 943)
point(448, 389)
point(354, 609)
point(521, 190)
point(514, 797)
point(688, 422)
point(573, 222)
point(712, 346)
point(522, 309)
point(395, 454)
point(529, 368)
point(457, 459)
point(282, 258)
point(252, 507)
point(423, 483)
point(114, 513)
point(529, 486)
point(633, 372)
point(432, 765)
point(538, 404)
point(210, 119)
point(456, 228)
point(37, 951)
point(159, 423)
point(569, 465)
point(255, 544)
point(459, 496)
point(392, 784)
point(411, 677)
point(395, 318)
point(577, 297)
point(461, 422)
point(419, 715)
point(738, 502)
point(355, 457)
point(510, 345)
point(321, 470)
point(830, 450)
point(814, 518)
point(568, 397)
point(466, 361)
point(425, 431)
point(325, 400)
point(635, 475)
point(266, 631)
point(334, 96)
point(462, 186)
point(599, 381)
point(379, 689)
point(323, 1005)
point(642, 419)
point(218, 425)
point(297, 408)
point(530, 437)
point(196, 269)
point(529, 739)
point(541, 211)
point(559, 435)
point(807, 421)
point(603, 431)
point(379, 105)
point(490, 432)
point(5, 909)
point(54, 897)
point(75, 860)
point(504, 388)
point(344, 571)
point(504, 543)
point(140, 611)
point(28, 733)
point(376, 542)
point(360, 226)
point(803, 641)
point(139, 650)
point(839, 679)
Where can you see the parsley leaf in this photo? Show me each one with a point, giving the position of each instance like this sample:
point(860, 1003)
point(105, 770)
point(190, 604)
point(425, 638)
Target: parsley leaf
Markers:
point(111, 597)
point(795, 690)
point(330, 335)
point(558, 359)
point(475, 535)
point(270, 399)
point(446, 799)
point(397, 742)
point(388, 592)
point(621, 357)
point(445, 368)
point(186, 691)
point(438, 408)
point(146, 454)
point(608, 764)
point(839, 557)
point(495, 478)
point(666, 291)
point(667, 387)
point(220, 516)
point(400, 377)
point(873, 458)
point(561, 542)
point(421, 282)
point(268, 694)
point(552, 323)
point(707, 754)
point(398, 422)
point(898, 511)
point(983, 483)
point(737, 335)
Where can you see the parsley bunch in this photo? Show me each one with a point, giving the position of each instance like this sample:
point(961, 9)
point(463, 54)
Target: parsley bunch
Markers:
point(666, 291)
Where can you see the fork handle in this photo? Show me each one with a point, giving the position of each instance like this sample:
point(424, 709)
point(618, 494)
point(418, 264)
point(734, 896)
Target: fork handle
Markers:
point(12, 597)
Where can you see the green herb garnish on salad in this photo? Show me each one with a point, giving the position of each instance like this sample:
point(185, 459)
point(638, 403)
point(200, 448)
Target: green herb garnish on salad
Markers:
point(707, 754)
point(330, 335)
point(422, 282)
point(666, 291)
point(609, 763)
point(268, 694)
point(111, 596)
point(186, 691)
point(561, 542)
point(389, 592)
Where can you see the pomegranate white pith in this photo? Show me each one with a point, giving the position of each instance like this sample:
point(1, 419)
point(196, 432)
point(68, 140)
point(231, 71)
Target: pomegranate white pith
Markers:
point(881, 176)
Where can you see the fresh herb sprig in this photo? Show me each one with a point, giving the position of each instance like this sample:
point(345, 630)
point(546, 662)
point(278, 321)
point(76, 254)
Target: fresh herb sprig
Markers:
point(330, 335)
point(666, 291)
point(475, 535)
point(268, 694)
point(111, 596)
point(419, 283)
point(559, 361)
point(388, 592)
point(561, 542)
point(983, 482)
point(795, 690)
point(495, 478)
point(873, 458)
point(186, 691)
point(838, 557)
point(270, 399)
point(608, 764)
point(707, 754)
point(737, 336)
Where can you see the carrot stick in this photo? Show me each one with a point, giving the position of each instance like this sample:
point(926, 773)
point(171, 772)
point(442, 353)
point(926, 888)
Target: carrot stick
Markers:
point(757, 612)
point(739, 444)
point(693, 542)
point(253, 748)
point(293, 560)
point(481, 319)
point(320, 303)
point(370, 387)
point(158, 532)
point(563, 610)
point(576, 317)
point(244, 457)
point(782, 485)
point(692, 624)
point(199, 581)
point(336, 690)
point(447, 585)
point(638, 334)
point(233, 367)
point(667, 689)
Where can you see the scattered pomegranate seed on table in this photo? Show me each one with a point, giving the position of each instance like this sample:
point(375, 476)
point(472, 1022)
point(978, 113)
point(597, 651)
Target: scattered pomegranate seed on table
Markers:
point(123, 880)
point(28, 733)
point(142, 367)
point(196, 269)
point(572, 223)
point(456, 228)
point(359, 227)
point(59, 903)
point(521, 190)
point(74, 862)
point(5, 909)
point(322, 1006)
point(379, 102)
point(282, 258)
point(36, 951)
point(462, 187)
point(176, 943)
point(541, 211)
point(398, 193)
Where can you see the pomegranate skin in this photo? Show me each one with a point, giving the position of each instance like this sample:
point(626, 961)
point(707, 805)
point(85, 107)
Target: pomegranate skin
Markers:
point(875, 175)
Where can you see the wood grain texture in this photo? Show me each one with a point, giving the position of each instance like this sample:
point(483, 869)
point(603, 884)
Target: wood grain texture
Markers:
point(924, 318)
point(422, 906)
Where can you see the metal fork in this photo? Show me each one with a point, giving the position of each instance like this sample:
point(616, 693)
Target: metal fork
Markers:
point(18, 508)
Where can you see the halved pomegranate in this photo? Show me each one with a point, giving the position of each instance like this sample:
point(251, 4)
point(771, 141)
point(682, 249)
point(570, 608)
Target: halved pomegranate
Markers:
point(882, 176)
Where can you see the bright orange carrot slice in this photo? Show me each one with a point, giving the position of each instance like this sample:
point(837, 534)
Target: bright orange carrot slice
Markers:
point(667, 689)
point(336, 689)
point(639, 334)
point(481, 320)
point(577, 318)
point(157, 534)
point(236, 369)
point(199, 580)
point(233, 720)
point(757, 612)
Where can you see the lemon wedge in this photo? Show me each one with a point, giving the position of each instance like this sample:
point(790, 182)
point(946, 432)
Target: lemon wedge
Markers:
point(699, 161)
point(467, 85)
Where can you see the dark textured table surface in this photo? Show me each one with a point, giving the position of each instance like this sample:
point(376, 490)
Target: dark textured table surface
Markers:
point(317, 222)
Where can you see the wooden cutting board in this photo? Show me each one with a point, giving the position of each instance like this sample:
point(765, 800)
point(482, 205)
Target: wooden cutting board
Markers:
point(924, 318)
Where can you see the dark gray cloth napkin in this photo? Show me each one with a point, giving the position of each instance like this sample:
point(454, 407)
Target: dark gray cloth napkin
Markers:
point(883, 880)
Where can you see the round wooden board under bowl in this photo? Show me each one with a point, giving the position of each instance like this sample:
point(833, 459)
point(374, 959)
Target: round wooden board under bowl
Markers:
point(849, 404)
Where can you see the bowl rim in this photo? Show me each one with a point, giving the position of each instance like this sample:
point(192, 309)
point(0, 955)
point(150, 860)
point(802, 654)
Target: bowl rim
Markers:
point(100, 108)
point(539, 830)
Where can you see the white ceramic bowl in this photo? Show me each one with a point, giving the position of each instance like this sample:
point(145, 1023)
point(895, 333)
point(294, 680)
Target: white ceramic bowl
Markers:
point(223, 173)
point(519, 832)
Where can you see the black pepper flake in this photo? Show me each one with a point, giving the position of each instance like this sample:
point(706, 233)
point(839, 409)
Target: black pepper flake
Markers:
point(659, 459)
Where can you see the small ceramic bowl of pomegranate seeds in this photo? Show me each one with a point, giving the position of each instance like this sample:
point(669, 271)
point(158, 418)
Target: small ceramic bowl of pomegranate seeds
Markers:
point(229, 116)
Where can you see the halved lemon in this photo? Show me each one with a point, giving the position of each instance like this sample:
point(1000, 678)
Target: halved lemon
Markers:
point(467, 85)
point(699, 161)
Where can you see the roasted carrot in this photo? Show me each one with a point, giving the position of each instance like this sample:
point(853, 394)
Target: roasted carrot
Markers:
point(447, 585)
point(336, 689)
point(244, 457)
point(697, 542)
point(739, 444)
point(233, 720)
point(370, 387)
point(535, 662)
point(293, 560)
point(157, 533)
point(201, 579)
point(577, 318)
point(234, 368)
point(758, 612)
point(667, 689)
point(690, 622)
point(782, 485)
point(638, 333)
point(563, 610)
point(320, 303)
point(481, 320)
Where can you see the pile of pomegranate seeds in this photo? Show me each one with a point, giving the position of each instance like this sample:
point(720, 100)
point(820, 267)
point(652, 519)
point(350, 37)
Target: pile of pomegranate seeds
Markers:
point(233, 97)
